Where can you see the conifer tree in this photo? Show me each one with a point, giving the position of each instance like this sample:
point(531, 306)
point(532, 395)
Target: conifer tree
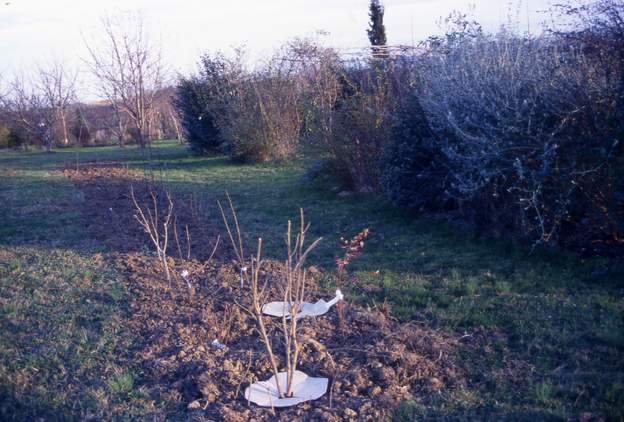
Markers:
point(377, 31)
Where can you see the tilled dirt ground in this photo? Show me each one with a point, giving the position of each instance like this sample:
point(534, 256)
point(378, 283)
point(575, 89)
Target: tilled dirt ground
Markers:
point(109, 211)
point(372, 362)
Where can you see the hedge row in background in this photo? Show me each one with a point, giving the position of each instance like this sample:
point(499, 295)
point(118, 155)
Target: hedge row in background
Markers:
point(514, 134)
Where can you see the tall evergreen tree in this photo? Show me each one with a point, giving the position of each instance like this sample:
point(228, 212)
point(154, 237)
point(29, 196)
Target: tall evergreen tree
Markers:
point(377, 31)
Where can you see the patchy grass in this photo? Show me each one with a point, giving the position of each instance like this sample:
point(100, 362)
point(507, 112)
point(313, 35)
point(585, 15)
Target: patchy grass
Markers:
point(542, 333)
point(63, 336)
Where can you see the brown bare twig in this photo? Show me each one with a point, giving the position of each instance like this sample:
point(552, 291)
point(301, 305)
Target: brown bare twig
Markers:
point(156, 228)
point(293, 289)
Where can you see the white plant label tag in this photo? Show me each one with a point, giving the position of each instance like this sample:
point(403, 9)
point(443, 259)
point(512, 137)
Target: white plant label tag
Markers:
point(279, 309)
point(305, 388)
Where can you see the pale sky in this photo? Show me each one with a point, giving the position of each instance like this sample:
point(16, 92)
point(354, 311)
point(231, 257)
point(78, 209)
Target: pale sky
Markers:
point(34, 32)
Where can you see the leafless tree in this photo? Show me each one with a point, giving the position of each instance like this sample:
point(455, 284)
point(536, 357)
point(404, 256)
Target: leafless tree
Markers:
point(128, 68)
point(118, 121)
point(57, 87)
point(164, 120)
point(30, 111)
point(170, 114)
point(173, 115)
point(3, 94)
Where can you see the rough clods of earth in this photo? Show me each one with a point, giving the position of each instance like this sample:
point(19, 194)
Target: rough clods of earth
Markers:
point(373, 363)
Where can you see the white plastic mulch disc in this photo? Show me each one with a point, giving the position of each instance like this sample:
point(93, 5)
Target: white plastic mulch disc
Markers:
point(279, 309)
point(305, 388)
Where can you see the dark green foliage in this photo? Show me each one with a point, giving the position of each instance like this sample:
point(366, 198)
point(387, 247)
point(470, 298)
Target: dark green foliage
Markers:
point(377, 31)
point(192, 101)
point(200, 100)
point(413, 171)
point(16, 138)
point(4, 136)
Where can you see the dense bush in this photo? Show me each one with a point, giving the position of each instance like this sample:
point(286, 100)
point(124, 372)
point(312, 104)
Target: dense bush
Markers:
point(362, 119)
point(412, 165)
point(251, 116)
point(16, 138)
point(245, 138)
point(367, 96)
point(287, 99)
point(527, 134)
point(202, 102)
point(265, 118)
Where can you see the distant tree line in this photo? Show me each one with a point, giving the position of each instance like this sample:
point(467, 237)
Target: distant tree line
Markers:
point(41, 108)
point(84, 124)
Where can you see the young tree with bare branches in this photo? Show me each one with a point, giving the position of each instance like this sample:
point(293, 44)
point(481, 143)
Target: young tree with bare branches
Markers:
point(292, 286)
point(128, 68)
point(57, 87)
point(156, 224)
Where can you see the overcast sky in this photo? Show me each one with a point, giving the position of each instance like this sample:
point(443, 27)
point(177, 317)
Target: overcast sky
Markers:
point(38, 31)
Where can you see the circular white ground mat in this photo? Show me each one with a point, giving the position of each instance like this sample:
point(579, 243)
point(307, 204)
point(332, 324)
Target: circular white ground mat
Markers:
point(305, 388)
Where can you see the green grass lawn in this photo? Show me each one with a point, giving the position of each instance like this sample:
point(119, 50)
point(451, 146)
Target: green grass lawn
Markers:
point(62, 306)
point(544, 332)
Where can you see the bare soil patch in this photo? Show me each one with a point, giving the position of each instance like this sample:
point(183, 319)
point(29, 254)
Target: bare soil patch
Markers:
point(373, 363)
point(109, 212)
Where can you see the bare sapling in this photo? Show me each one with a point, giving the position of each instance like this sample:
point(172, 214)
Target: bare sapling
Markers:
point(176, 237)
point(294, 294)
point(293, 289)
point(156, 225)
point(182, 237)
